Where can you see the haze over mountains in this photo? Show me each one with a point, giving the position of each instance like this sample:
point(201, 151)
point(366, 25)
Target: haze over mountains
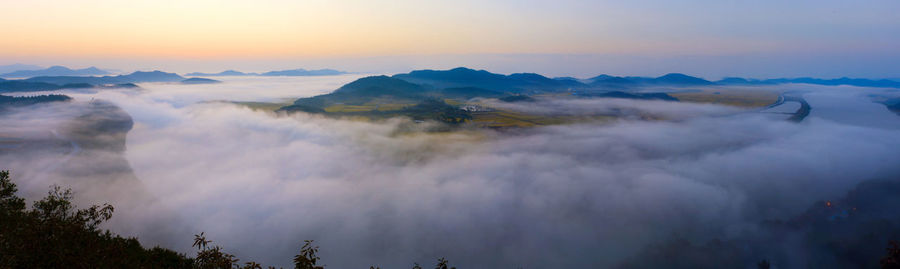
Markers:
point(56, 71)
point(292, 72)
point(45, 83)
point(457, 77)
point(636, 179)
point(17, 67)
point(465, 77)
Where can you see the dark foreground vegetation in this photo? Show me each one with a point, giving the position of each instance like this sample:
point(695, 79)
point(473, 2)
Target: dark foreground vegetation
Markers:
point(6, 101)
point(54, 233)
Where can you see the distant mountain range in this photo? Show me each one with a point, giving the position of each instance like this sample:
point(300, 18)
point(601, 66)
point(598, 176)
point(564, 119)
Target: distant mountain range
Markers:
point(293, 72)
point(464, 83)
point(530, 82)
point(881, 83)
point(464, 77)
point(223, 73)
point(363, 91)
point(676, 79)
point(136, 77)
point(45, 83)
point(303, 72)
point(55, 71)
point(200, 81)
point(17, 67)
point(13, 101)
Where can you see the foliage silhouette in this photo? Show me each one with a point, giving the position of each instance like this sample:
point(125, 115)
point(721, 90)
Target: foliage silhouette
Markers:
point(892, 259)
point(56, 234)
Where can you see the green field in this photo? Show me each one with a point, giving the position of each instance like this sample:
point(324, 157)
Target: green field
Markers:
point(510, 119)
point(732, 97)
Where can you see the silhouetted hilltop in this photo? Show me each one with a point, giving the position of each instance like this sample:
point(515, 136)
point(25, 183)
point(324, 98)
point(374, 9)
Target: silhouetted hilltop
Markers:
point(861, 82)
point(286, 73)
point(462, 84)
point(607, 81)
point(380, 85)
point(892, 104)
point(568, 79)
point(71, 82)
point(223, 73)
point(28, 86)
point(200, 81)
point(517, 98)
point(136, 77)
point(465, 77)
point(56, 71)
point(12, 101)
point(600, 77)
point(671, 79)
point(17, 67)
point(362, 91)
point(895, 108)
point(882, 83)
point(304, 72)
point(741, 81)
point(680, 79)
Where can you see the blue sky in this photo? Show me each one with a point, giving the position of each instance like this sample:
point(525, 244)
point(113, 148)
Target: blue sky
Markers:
point(580, 38)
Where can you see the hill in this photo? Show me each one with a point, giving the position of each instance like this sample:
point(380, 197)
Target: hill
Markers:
point(286, 73)
point(517, 98)
point(607, 81)
point(671, 79)
point(223, 73)
point(56, 71)
point(136, 77)
point(465, 77)
point(200, 81)
point(304, 72)
point(12, 101)
point(17, 67)
point(364, 90)
point(27, 86)
point(75, 82)
point(386, 97)
point(860, 82)
point(680, 79)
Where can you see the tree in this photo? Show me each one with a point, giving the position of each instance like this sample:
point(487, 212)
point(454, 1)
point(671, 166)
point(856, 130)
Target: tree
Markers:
point(443, 264)
point(892, 259)
point(54, 233)
point(308, 256)
point(211, 257)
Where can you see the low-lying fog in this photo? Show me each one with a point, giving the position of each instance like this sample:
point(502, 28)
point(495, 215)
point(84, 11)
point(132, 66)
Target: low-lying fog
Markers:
point(570, 196)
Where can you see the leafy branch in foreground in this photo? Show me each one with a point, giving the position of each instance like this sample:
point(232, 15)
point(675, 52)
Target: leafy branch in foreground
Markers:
point(54, 233)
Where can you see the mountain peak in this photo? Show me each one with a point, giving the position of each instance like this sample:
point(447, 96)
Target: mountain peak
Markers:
point(678, 78)
point(58, 68)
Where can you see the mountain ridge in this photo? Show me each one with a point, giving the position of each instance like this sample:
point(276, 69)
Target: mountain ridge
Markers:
point(56, 70)
point(300, 72)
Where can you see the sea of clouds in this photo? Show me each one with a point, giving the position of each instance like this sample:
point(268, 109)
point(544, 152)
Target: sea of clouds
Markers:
point(566, 196)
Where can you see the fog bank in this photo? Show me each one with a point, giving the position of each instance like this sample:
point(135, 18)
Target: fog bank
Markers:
point(580, 195)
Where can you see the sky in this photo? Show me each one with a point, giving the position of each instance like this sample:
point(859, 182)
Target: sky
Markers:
point(578, 38)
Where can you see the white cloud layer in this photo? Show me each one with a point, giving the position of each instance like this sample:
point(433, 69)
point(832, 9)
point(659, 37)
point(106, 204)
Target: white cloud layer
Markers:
point(570, 196)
